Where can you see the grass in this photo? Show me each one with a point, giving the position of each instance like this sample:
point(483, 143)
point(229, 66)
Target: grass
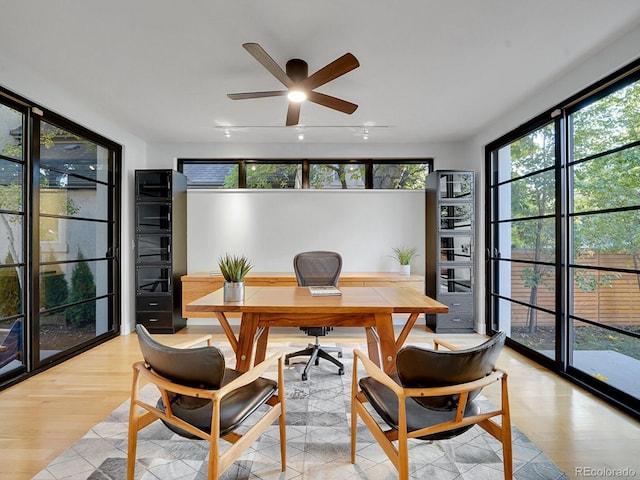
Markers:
point(585, 338)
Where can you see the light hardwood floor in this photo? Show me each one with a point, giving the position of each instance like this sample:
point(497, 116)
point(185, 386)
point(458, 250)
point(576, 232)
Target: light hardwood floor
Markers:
point(44, 415)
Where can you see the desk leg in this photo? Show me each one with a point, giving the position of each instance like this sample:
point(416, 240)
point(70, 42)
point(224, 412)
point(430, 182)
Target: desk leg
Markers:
point(224, 323)
point(372, 345)
point(384, 327)
point(406, 330)
point(246, 337)
point(261, 346)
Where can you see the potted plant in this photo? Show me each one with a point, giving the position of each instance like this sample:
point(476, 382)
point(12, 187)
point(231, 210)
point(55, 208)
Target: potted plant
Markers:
point(404, 255)
point(234, 268)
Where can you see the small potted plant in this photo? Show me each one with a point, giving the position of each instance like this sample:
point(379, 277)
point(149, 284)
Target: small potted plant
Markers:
point(404, 255)
point(234, 268)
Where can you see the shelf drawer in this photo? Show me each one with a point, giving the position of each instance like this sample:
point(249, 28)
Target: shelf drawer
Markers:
point(155, 319)
point(457, 302)
point(154, 303)
point(459, 321)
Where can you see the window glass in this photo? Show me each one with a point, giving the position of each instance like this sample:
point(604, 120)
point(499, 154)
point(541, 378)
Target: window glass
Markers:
point(69, 160)
point(531, 153)
point(608, 181)
point(337, 175)
point(302, 173)
point(274, 175)
point(531, 196)
point(10, 132)
point(211, 174)
point(608, 123)
point(407, 176)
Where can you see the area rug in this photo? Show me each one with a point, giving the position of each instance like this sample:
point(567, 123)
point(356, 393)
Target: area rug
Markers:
point(318, 444)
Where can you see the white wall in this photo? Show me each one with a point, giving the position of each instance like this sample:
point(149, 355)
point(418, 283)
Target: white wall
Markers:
point(270, 227)
point(55, 98)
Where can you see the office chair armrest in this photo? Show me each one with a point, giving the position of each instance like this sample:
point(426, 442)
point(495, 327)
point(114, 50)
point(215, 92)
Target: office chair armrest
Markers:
point(374, 372)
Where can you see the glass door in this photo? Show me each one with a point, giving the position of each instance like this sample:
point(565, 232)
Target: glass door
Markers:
point(75, 247)
point(13, 358)
point(564, 242)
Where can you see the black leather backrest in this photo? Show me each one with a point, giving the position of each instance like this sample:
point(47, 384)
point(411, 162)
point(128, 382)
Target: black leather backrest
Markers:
point(201, 367)
point(317, 268)
point(421, 367)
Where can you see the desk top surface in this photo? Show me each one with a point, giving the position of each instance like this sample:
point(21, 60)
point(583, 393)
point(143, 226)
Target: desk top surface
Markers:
point(377, 276)
point(299, 300)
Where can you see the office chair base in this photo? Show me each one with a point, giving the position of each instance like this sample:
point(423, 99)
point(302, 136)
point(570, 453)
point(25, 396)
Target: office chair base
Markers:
point(315, 352)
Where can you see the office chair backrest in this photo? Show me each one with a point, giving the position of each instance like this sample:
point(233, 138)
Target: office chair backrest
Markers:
point(421, 367)
point(317, 268)
point(201, 367)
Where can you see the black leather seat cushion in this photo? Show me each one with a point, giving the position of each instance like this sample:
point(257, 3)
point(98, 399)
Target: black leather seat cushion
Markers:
point(235, 408)
point(385, 403)
point(422, 368)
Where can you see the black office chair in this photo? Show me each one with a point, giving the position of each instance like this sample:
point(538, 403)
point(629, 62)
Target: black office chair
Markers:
point(432, 397)
point(318, 268)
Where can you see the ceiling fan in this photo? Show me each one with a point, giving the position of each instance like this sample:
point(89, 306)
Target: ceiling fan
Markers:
point(299, 85)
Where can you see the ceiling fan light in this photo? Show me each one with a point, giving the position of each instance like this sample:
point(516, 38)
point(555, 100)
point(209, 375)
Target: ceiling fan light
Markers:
point(297, 96)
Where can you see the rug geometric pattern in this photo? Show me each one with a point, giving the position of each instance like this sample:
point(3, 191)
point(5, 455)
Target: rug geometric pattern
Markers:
point(318, 444)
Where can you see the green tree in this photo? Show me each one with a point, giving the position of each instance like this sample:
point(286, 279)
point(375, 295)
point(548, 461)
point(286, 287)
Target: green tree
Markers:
point(54, 289)
point(83, 287)
point(608, 181)
point(408, 176)
point(322, 174)
point(10, 290)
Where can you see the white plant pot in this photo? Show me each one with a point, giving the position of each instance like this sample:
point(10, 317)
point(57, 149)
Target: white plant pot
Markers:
point(405, 269)
point(233, 291)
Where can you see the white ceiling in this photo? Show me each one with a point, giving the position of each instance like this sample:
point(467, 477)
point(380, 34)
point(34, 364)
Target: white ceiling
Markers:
point(431, 70)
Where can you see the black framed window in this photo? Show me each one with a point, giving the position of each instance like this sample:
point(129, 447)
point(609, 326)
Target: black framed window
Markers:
point(59, 215)
point(563, 238)
point(397, 174)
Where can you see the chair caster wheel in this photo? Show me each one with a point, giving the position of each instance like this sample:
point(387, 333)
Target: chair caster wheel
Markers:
point(341, 372)
point(304, 377)
point(339, 354)
point(317, 362)
point(286, 361)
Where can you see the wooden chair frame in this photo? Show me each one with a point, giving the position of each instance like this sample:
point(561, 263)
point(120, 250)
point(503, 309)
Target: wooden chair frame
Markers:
point(217, 463)
point(399, 455)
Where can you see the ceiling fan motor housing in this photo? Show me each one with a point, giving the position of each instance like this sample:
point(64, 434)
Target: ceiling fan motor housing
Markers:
point(297, 70)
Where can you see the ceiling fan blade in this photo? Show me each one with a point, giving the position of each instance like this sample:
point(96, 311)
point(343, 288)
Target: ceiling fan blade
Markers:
point(244, 96)
point(293, 114)
point(332, 102)
point(335, 69)
point(269, 63)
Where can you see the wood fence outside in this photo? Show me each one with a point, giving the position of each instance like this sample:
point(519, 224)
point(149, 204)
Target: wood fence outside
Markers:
point(617, 304)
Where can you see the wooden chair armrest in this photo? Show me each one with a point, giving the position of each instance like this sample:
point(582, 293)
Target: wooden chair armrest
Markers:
point(459, 388)
point(190, 343)
point(374, 371)
point(251, 374)
point(437, 342)
point(3, 348)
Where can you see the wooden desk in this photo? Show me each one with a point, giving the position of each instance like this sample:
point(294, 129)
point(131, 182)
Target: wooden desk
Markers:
point(196, 285)
point(368, 307)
